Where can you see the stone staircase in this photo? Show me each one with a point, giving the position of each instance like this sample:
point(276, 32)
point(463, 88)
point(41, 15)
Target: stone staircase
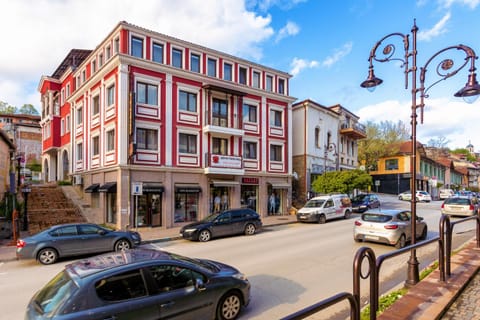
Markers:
point(47, 205)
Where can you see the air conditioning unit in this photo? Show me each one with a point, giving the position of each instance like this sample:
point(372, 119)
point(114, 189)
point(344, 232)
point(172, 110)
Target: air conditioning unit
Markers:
point(77, 179)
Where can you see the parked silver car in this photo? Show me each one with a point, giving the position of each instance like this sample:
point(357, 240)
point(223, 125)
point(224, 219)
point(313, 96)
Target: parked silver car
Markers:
point(391, 227)
point(74, 239)
point(460, 206)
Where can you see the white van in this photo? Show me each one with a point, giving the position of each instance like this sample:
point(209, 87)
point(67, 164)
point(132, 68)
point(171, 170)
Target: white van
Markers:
point(323, 208)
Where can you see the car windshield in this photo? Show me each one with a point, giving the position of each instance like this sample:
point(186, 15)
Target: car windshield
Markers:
point(55, 293)
point(359, 197)
point(376, 217)
point(460, 201)
point(211, 217)
point(314, 203)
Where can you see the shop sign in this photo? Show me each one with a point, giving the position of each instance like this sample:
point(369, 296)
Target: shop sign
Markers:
point(248, 180)
point(218, 160)
point(137, 188)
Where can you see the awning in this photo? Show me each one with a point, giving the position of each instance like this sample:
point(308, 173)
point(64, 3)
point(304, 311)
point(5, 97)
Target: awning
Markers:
point(152, 188)
point(187, 188)
point(109, 187)
point(280, 185)
point(92, 188)
point(225, 183)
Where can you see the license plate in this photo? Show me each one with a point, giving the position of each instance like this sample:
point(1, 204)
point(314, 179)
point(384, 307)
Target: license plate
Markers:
point(302, 217)
point(371, 237)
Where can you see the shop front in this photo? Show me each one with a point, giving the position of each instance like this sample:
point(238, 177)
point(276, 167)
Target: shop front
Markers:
point(222, 193)
point(249, 193)
point(277, 198)
point(187, 202)
point(149, 205)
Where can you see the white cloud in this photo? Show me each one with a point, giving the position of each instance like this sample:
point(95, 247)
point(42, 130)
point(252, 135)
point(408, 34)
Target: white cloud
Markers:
point(338, 55)
point(438, 29)
point(290, 29)
point(40, 33)
point(299, 64)
point(469, 3)
point(264, 5)
point(453, 119)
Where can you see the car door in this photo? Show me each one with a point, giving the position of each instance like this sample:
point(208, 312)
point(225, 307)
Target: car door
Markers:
point(222, 226)
point(329, 207)
point(124, 296)
point(66, 240)
point(404, 223)
point(94, 238)
point(238, 221)
point(375, 201)
point(177, 294)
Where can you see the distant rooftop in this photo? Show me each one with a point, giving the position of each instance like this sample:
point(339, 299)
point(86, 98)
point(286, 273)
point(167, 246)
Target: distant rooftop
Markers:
point(74, 58)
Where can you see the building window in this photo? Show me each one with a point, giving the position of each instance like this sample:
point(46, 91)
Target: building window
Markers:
point(186, 206)
point(187, 101)
point(256, 79)
point(249, 113)
point(212, 67)
point(137, 47)
point(391, 164)
point(110, 140)
point(281, 86)
point(79, 116)
point(116, 46)
point(275, 152)
point(220, 146)
point(94, 66)
point(195, 62)
point(219, 113)
point(249, 150)
point(187, 143)
point(147, 139)
point(67, 123)
point(108, 52)
point(157, 52)
point(112, 208)
point(111, 95)
point(68, 90)
point(95, 146)
point(100, 60)
point(96, 105)
point(269, 83)
point(177, 58)
point(84, 76)
point(227, 71)
point(242, 75)
point(275, 118)
point(62, 127)
point(317, 137)
point(147, 93)
point(79, 151)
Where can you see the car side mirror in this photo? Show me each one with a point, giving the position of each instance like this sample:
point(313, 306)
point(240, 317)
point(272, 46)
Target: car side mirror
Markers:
point(199, 284)
point(102, 232)
point(420, 218)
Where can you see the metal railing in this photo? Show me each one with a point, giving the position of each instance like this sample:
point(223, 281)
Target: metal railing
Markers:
point(444, 240)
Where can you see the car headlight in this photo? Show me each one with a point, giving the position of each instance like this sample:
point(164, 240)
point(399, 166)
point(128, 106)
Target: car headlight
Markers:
point(190, 230)
point(240, 276)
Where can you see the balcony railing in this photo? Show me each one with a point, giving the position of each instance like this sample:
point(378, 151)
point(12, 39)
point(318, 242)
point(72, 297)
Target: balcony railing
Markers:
point(353, 129)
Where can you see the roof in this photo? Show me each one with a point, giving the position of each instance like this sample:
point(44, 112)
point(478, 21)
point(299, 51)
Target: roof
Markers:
point(74, 58)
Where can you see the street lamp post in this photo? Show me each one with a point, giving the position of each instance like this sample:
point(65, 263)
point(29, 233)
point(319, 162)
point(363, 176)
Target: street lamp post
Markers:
point(330, 147)
point(445, 69)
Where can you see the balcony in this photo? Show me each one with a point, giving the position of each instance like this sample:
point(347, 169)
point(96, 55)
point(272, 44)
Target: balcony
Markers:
point(224, 132)
point(353, 130)
point(223, 164)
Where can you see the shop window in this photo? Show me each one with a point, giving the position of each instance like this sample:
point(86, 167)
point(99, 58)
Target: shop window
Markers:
point(186, 206)
point(219, 199)
point(149, 210)
point(112, 208)
point(249, 196)
point(391, 164)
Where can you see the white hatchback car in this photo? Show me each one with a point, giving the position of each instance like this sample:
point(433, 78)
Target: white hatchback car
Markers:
point(423, 196)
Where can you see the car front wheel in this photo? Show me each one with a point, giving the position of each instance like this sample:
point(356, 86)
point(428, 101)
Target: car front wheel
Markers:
point(121, 245)
point(204, 236)
point(250, 229)
point(229, 306)
point(47, 256)
point(322, 219)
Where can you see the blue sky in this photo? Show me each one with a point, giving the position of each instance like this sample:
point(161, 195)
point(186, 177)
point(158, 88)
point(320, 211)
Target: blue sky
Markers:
point(325, 45)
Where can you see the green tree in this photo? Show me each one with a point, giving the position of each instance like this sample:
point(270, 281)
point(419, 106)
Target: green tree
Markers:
point(28, 109)
point(383, 139)
point(6, 108)
point(342, 181)
point(470, 157)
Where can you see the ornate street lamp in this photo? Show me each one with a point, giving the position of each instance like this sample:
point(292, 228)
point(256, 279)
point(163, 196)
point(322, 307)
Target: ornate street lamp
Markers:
point(445, 69)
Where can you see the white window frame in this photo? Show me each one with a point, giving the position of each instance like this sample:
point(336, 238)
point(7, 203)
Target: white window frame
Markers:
point(200, 62)
point(108, 148)
point(269, 83)
point(182, 50)
point(79, 151)
point(140, 37)
point(209, 58)
point(259, 86)
point(93, 145)
point(256, 149)
point(232, 70)
point(270, 151)
point(108, 86)
point(247, 75)
point(147, 127)
point(96, 94)
point(191, 133)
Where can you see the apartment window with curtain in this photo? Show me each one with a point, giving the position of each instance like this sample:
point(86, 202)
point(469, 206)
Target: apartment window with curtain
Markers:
point(136, 47)
point(391, 164)
point(220, 113)
point(256, 79)
point(157, 52)
point(212, 67)
point(177, 58)
point(187, 101)
point(96, 105)
point(95, 146)
point(249, 113)
point(111, 95)
point(269, 83)
point(219, 146)
point(275, 118)
point(227, 71)
point(249, 150)
point(275, 152)
point(147, 139)
point(147, 93)
point(195, 62)
point(110, 140)
point(242, 75)
point(281, 86)
point(79, 151)
point(187, 143)
point(79, 115)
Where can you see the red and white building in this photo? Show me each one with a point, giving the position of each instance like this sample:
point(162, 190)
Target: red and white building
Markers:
point(156, 131)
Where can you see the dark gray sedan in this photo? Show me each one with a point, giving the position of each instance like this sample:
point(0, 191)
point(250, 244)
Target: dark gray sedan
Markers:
point(73, 240)
point(142, 284)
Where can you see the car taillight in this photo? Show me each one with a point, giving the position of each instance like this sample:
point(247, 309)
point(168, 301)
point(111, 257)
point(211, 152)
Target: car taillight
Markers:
point(20, 243)
point(391, 226)
point(443, 205)
point(472, 207)
point(358, 223)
